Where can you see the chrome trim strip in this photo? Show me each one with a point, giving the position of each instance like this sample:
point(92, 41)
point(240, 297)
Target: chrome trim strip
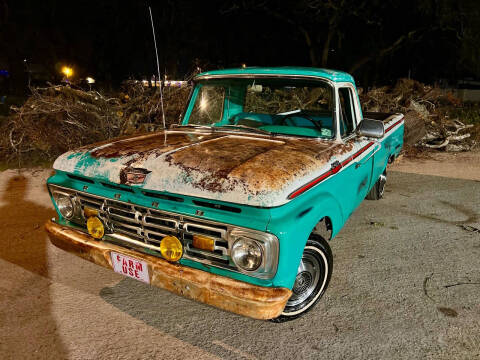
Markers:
point(274, 76)
point(207, 253)
point(135, 242)
point(209, 228)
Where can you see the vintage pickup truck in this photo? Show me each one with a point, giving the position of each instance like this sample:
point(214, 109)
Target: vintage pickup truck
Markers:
point(234, 206)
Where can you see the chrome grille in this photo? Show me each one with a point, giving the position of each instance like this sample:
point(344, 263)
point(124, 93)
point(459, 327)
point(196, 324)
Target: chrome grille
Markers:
point(146, 227)
point(142, 229)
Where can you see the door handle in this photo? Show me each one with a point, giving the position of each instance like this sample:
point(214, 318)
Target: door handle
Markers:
point(364, 161)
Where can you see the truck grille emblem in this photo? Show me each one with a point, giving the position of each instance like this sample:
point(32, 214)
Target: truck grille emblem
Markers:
point(131, 176)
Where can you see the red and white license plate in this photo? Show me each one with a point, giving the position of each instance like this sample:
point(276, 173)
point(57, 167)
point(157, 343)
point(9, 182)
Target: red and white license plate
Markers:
point(131, 267)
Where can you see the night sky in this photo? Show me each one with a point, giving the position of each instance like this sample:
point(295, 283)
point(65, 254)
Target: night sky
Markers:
point(379, 41)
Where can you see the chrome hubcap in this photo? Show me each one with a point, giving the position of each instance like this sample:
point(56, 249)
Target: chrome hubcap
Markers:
point(308, 276)
point(382, 181)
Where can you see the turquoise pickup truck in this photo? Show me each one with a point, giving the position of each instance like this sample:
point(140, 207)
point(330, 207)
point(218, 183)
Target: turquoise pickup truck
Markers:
point(234, 206)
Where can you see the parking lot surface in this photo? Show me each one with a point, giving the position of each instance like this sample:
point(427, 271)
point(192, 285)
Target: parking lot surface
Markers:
point(405, 284)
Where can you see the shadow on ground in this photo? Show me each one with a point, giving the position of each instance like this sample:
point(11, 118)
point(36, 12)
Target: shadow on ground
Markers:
point(187, 320)
point(24, 243)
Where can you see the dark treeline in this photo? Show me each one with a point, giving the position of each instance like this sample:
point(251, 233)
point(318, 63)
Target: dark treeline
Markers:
point(378, 41)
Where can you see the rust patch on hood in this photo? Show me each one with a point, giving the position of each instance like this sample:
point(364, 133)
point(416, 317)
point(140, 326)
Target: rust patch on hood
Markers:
point(157, 143)
point(283, 164)
point(216, 160)
point(219, 162)
point(254, 163)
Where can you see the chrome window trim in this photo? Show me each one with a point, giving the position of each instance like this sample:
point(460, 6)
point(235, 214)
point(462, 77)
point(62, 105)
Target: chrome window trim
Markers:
point(333, 85)
point(356, 108)
point(250, 76)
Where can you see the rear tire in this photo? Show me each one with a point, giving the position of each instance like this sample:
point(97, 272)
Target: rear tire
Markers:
point(313, 277)
point(378, 190)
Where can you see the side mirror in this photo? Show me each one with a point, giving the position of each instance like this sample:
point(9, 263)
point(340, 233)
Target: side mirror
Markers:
point(371, 128)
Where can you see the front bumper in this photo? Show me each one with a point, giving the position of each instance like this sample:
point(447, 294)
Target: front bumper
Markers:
point(228, 294)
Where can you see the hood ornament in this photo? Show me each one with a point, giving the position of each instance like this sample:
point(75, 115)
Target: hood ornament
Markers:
point(133, 176)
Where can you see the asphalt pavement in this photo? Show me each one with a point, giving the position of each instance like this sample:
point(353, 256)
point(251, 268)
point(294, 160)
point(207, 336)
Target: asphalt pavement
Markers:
point(405, 284)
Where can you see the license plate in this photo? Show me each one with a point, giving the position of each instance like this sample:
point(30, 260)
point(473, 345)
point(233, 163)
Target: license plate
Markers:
point(131, 267)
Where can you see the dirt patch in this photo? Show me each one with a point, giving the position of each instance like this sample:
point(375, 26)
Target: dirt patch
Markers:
point(463, 165)
point(447, 311)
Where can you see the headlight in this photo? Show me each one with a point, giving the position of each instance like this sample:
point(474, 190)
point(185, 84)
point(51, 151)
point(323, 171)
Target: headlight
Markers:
point(64, 205)
point(254, 252)
point(247, 254)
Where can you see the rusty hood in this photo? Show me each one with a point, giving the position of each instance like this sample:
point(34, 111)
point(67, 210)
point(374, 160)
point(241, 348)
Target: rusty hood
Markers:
point(228, 166)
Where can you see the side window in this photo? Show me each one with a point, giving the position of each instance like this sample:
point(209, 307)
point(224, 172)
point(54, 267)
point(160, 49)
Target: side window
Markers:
point(347, 112)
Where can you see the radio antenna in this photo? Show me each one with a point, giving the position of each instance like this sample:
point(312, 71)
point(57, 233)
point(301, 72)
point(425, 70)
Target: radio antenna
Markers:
point(158, 67)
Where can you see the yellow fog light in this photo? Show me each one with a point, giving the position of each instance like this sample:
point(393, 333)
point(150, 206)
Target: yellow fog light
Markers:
point(95, 227)
point(171, 248)
point(203, 242)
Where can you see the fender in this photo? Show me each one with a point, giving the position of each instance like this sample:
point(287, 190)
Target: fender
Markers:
point(294, 222)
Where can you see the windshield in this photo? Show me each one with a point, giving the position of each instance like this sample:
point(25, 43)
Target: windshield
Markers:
point(268, 105)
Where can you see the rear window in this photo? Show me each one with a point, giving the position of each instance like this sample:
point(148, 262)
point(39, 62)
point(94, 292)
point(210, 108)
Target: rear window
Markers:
point(278, 98)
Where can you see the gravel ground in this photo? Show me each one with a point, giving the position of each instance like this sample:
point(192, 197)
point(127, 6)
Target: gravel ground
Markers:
point(406, 284)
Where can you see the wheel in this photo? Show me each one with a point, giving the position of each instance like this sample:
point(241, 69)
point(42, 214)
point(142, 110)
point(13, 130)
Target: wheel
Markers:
point(377, 191)
point(313, 276)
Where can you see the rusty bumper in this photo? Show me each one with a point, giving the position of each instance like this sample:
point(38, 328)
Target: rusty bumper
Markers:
point(228, 294)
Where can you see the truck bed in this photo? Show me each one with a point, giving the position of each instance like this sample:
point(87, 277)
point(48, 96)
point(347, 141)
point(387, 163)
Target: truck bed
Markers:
point(382, 116)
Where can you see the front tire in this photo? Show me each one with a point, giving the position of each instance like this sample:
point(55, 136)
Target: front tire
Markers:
point(313, 277)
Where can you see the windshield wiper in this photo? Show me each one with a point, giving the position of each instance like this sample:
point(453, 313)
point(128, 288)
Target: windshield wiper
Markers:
point(246, 128)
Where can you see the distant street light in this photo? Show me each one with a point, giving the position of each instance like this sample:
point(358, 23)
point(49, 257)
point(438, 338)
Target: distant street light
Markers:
point(67, 71)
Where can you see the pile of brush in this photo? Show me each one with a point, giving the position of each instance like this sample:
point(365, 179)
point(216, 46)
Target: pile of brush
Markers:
point(59, 118)
point(426, 110)
point(140, 107)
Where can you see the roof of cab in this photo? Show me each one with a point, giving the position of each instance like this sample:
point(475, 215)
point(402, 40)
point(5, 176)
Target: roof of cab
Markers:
point(333, 75)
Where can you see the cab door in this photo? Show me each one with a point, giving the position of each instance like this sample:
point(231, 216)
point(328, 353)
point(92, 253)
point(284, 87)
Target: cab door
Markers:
point(356, 178)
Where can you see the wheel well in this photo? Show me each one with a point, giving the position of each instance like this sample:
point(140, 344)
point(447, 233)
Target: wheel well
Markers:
point(324, 228)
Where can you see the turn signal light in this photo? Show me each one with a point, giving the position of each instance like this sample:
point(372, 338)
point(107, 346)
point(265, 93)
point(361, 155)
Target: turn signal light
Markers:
point(203, 242)
point(95, 227)
point(171, 248)
point(88, 212)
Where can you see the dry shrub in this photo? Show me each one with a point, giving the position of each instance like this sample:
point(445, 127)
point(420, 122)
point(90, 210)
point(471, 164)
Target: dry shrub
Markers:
point(141, 107)
point(60, 118)
point(426, 110)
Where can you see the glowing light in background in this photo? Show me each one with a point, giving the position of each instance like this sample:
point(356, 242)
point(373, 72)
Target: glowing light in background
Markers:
point(90, 80)
point(67, 71)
